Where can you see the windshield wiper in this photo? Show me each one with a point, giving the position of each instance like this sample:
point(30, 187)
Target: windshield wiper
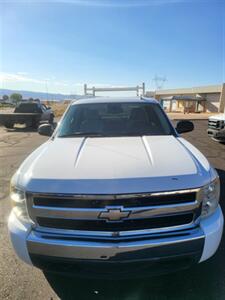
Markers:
point(85, 134)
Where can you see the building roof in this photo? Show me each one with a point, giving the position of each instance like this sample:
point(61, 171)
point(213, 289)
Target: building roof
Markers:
point(193, 90)
point(114, 100)
point(183, 97)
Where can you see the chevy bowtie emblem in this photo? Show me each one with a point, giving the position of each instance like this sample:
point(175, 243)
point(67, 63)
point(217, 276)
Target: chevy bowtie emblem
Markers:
point(114, 214)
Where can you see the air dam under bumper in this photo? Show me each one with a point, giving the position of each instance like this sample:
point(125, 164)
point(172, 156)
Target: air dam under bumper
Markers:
point(193, 246)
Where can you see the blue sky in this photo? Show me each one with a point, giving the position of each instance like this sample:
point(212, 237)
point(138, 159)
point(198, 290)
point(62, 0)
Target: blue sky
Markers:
point(63, 44)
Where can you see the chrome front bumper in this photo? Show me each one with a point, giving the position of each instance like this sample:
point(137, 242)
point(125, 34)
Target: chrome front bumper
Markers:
point(141, 248)
point(217, 134)
point(120, 259)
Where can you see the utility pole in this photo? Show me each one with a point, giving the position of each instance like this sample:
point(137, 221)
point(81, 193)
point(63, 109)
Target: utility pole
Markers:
point(46, 86)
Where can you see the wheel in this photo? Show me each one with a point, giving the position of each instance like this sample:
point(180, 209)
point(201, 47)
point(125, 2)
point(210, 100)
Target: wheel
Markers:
point(9, 125)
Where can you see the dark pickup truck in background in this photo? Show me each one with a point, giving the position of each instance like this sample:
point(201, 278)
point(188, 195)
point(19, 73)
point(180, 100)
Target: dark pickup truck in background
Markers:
point(29, 113)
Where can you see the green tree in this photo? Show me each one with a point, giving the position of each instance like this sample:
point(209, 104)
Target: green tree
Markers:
point(15, 98)
point(5, 97)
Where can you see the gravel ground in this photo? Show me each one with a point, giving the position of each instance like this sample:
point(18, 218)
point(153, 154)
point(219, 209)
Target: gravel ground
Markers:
point(19, 281)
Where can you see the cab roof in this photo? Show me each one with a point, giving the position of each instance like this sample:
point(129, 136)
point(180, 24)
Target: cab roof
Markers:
point(114, 100)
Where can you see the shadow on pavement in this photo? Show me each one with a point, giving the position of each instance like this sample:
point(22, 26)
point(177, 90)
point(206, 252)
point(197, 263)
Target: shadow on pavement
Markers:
point(201, 282)
point(22, 129)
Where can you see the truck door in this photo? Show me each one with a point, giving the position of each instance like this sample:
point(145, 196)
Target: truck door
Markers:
point(45, 113)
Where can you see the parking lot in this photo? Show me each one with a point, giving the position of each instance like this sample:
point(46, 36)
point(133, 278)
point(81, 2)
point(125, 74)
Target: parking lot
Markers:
point(19, 281)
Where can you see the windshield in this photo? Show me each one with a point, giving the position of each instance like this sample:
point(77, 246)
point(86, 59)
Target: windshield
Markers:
point(114, 119)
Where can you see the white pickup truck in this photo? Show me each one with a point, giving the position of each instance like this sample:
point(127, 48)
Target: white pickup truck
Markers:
point(216, 127)
point(115, 190)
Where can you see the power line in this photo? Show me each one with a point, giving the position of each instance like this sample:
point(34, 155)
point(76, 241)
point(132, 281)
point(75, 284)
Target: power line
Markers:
point(159, 81)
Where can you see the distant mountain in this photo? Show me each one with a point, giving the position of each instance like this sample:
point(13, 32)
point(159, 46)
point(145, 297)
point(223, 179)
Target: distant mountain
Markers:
point(40, 95)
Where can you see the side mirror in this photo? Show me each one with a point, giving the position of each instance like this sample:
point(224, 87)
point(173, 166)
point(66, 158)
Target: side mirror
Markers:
point(49, 107)
point(184, 126)
point(45, 129)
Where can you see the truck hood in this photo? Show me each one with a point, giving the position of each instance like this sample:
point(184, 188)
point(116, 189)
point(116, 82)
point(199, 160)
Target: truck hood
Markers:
point(220, 117)
point(105, 164)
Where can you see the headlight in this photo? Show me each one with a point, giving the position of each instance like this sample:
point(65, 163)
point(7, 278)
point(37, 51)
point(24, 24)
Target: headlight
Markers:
point(210, 197)
point(18, 198)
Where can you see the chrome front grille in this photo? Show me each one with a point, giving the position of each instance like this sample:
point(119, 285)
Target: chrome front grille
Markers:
point(216, 124)
point(109, 214)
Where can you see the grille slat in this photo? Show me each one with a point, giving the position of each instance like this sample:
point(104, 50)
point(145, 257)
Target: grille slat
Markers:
point(217, 124)
point(132, 212)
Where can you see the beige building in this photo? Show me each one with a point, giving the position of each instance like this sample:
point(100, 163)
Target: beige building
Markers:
point(197, 99)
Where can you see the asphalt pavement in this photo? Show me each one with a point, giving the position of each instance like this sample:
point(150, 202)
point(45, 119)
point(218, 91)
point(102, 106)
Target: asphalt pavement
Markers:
point(18, 281)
